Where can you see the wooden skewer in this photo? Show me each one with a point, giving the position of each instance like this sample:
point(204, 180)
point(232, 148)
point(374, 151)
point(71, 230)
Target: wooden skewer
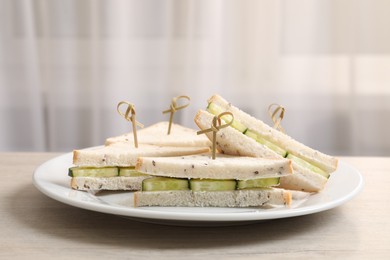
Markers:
point(216, 125)
point(129, 115)
point(173, 108)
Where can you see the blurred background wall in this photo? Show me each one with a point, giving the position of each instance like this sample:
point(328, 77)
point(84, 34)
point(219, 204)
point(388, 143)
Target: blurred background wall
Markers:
point(64, 65)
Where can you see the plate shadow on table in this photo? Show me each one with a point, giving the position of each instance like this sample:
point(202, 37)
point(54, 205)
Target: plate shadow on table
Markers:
point(88, 227)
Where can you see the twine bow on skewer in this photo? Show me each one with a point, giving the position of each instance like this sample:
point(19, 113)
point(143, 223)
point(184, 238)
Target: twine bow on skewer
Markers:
point(276, 112)
point(173, 108)
point(216, 125)
point(129, 115)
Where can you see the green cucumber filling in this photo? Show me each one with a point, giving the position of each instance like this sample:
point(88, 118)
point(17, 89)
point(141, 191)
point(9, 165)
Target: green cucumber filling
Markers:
point(167, 183)
point(93, 172)
point(130, 172)
point(164, 183)
point(216, 110)
point(266, 143)
point(212, 185)
point(305, 164)
point(104, 172)
point(258, 183)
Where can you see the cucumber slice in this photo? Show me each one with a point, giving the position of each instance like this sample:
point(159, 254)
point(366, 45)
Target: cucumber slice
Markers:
point(257, 183)
point(238, 126)
point(130, 172)
point(93, 172)
point(308, 165)
point(212, 185)
point(164, 183)
point(216, 110)
point(266, 143)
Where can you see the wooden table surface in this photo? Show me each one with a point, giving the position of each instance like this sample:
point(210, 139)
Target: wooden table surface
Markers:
point(33, 226)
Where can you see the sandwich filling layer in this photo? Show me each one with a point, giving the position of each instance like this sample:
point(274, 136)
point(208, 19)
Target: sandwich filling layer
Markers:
point(167, 183)
point(105, 172)
point(153, 183)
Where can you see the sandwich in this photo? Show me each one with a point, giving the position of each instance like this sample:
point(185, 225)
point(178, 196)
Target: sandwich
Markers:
point(199, 181)
point(156, 135)
point(111, 167)
point(248, 136)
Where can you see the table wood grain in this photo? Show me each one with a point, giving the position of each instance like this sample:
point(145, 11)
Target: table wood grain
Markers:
point(33, 226)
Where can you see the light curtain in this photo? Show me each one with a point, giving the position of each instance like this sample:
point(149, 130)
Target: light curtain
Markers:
point(64, 65)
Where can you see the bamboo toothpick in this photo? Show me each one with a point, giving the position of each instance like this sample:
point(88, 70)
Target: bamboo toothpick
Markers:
point(276, 113)
point(173, 108)
point(215, 127)
point(129, 115)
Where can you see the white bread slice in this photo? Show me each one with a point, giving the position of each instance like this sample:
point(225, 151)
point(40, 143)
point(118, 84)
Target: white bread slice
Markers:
point(231, 141)
point(125, 154)
point(323, 161)
point(236, 198)
point(157, 135)
point(109, 183)
point(303, 179)
point(223, 167)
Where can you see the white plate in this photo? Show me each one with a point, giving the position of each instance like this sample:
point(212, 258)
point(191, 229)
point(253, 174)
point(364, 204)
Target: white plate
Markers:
point(51, 179)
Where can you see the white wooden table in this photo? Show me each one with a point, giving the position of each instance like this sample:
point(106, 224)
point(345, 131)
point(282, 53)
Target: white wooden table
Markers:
point(33, 226)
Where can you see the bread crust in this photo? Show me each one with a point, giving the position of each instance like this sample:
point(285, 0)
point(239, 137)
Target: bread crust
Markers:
point(75, 155)
point(139, 163)
point(287, 198)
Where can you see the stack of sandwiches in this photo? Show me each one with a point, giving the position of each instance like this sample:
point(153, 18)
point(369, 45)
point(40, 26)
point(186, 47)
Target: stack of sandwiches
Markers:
point(111, 167)
point(256, 165)
point(248, 136)
point(199, 181)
